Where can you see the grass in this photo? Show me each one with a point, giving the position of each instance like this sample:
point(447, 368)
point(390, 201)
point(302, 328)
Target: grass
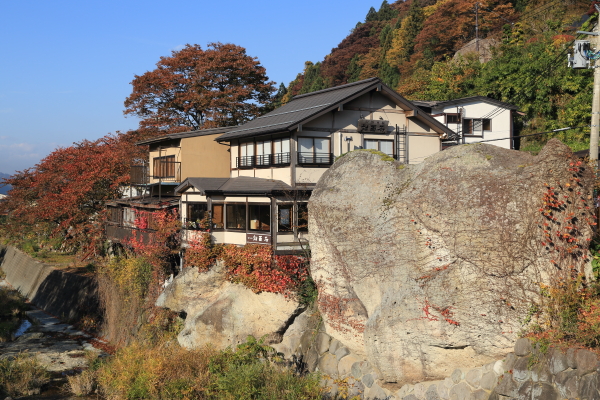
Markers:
point(534, 147)
point(22, 376)
point(167, 371)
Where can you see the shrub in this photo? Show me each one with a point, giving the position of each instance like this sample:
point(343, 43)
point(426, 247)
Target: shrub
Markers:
point(171, 372)
point(22, 375)
point(256, 267)
point(569, 315)
point(83, 383)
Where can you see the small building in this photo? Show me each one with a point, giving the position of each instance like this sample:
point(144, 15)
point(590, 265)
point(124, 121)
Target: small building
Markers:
point(276, 160)
point(172, 158)
point(475, 119)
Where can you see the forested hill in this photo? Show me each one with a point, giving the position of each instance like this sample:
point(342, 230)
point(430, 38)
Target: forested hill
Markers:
point(412, 46)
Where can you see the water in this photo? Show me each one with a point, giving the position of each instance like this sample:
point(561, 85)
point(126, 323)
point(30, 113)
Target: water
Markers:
point(25, 324)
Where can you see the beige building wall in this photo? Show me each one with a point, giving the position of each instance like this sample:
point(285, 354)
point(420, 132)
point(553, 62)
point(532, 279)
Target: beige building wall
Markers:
point(421, 147)
point(204, 158)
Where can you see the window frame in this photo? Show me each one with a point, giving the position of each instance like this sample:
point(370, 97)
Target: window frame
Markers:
point(212, 215)
point(393, 155)
point(245, 219)
point(472, 121)
point(314, 153)
point(249, 216)
point(164, 163)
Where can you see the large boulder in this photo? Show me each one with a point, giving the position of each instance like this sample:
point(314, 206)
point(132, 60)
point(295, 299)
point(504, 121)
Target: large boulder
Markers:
point(429, 267)
point(224, 314)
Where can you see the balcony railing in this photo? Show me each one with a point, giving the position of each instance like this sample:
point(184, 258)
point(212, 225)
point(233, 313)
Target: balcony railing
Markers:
point(139, 174)
point(265, 160)
point(167, 171)
point(310, 158)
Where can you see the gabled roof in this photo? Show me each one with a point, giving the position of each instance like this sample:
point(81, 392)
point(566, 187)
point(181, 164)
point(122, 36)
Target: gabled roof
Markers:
point(304, 108)
point(465, 100)
point(239, 185)
point(180, 135)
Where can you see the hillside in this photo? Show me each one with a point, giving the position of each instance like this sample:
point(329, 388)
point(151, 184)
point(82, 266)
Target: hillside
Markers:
point(523, 44)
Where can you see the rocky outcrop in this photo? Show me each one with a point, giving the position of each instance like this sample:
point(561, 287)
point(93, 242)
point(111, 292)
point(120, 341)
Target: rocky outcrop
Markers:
point(424, 268)
point(224, 314)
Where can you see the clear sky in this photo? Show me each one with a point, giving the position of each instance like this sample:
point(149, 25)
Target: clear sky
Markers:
point(66, 66)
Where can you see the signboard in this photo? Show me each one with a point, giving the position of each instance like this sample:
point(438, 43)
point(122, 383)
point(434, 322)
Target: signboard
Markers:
point(259, 238)
point(372, 126)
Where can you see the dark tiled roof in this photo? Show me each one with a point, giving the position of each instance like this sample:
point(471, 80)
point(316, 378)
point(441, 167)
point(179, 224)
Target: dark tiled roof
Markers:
point(300, 109)
point(239, 185)
point(196, 133)
point(304, 108)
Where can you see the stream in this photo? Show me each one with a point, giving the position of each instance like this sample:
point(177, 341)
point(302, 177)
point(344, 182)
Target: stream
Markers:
point(59, 347)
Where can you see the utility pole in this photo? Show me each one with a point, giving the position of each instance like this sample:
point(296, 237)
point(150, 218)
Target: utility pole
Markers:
point(594, 134)
point(582, 58)
point(477, 28)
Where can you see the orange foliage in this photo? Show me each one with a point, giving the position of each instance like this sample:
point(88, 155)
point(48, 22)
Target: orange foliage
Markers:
point(196, 88)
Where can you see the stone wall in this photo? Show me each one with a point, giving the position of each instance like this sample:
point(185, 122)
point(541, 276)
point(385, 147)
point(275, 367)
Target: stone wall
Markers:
point(527, 373)
point(535, 373)
point(62, 294)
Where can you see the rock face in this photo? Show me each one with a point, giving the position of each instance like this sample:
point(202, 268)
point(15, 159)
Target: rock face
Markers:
point(430, 267)
point(224, 314)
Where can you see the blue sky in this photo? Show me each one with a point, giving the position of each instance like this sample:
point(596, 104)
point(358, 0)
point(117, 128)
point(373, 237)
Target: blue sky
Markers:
point(66, 65)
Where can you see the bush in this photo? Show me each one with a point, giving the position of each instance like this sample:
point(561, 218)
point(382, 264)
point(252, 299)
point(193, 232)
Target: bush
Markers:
point(570, 314)
point(22, 376)
point(168, 371)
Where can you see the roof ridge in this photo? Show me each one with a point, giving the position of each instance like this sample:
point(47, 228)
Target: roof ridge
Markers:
point(335, 88)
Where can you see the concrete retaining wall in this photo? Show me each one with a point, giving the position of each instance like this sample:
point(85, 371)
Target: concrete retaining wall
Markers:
point(62, 294)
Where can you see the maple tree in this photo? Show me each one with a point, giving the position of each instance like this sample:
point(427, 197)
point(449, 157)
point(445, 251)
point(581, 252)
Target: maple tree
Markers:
point(200, 88)
point(62, 197)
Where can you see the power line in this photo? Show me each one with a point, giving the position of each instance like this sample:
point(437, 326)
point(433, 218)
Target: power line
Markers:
point(533, 134)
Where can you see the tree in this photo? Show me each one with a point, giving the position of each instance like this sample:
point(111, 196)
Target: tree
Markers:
point(196, 88)
point(371, 15)
point(62, 198)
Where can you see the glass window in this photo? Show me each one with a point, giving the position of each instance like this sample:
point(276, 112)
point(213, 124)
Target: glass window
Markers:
point(314, 151)
point(246, 155)
point(235, 216)
point(285, 218)
point(303, 217)
point(487, 124)
point(260, 217)
point(217, 216)
point(281, 146)
point(196, 212)
point(452, 118)
point(305, 144)
point(476, 126)
point(384, 146)
point(263, 152)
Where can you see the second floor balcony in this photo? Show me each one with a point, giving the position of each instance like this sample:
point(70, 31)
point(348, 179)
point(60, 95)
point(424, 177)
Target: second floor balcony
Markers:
point(159, 170)
point(263, 161)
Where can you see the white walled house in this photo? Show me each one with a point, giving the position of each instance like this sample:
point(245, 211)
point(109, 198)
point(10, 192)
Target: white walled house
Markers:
point(476, 119)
